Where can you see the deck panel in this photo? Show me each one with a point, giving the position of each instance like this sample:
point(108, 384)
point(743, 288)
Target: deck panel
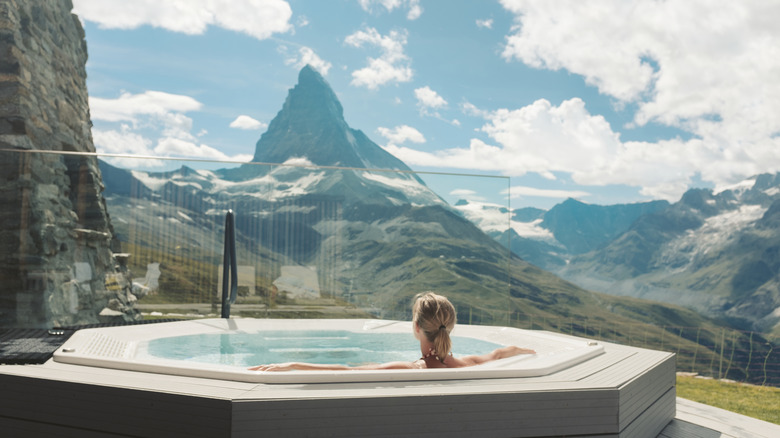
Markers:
point(622, 371)
point(653, 419)
point(727, 423)
point(682, 429)
point(20, 428)
point(459, 416)
point(104, 408)
point(591, 367)
point(638, 394)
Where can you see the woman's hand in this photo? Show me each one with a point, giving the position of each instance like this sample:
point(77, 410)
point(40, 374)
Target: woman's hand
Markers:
point(287, 366)
point(510, 351)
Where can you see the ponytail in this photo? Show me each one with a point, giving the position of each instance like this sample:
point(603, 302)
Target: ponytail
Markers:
point(436, 317)
point(442, 343)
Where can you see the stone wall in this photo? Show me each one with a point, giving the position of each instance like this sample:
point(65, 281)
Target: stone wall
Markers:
point(56, 262)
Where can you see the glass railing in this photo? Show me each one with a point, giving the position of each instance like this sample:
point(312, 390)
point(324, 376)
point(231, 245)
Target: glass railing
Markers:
point(90, 238)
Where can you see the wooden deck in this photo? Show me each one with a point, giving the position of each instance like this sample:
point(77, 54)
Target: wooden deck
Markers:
point(625, 392)
point(702, 421)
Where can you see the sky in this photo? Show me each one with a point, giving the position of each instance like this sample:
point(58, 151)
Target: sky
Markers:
point(604, 101)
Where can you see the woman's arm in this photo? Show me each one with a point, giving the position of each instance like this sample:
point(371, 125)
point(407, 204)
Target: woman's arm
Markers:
point(302, 366)
point(499, 353)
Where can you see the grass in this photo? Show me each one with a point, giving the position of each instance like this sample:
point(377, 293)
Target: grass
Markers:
point(762, 402)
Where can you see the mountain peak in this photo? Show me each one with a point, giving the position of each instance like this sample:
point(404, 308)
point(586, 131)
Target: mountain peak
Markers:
point(313, 97)
point(309, 73)
point(311, 125)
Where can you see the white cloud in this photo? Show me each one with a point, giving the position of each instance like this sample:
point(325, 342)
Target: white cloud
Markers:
point(486, 23)
point(257, 18)
point(176, 125)
point(706, 67)
point(402, 134)
point(544, 139)
point(306, 56)
point(129, 106)
point(155, 110)
point(174, 147)
point(146, 116)
point(414, 8)
point(524, 191)
point(427, 98)
point(479, 156)
point(470, 109)
point(428, 101)
point(124, 142)
point(464, 193)
point(246, 122)
point(391, 66)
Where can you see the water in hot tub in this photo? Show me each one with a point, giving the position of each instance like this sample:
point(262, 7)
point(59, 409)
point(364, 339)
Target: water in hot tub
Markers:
point(325, 347)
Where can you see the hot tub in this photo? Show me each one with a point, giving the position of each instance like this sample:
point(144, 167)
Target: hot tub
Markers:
point(224, 348)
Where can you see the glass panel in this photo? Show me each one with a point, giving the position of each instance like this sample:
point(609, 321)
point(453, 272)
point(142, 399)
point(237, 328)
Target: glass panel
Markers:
point(312, 242)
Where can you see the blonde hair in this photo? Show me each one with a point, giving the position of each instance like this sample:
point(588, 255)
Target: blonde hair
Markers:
point(436, 317)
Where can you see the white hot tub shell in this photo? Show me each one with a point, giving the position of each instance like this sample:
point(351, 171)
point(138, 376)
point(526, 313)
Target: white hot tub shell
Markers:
point(121, 348)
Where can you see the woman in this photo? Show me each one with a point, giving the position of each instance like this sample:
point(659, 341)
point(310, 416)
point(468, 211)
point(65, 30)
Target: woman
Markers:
point(433, 318)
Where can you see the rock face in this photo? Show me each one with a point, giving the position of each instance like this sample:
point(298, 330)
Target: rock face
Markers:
point(56, 260)
point(312, 114)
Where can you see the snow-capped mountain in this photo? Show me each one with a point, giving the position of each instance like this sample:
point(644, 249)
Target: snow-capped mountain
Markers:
point(308, 148)
point(549, 239)
point(715, 251)
point(318, 194)
point(311, 127)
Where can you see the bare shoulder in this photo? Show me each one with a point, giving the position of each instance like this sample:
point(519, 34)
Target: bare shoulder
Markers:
point(459, 362)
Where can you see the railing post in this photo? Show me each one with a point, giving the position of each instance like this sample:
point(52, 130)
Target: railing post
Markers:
point(229, 265)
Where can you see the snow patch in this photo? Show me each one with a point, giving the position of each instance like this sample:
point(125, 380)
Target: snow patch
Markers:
point(187, 184)
point(737, 188)
point(772, 191)
point(494, 217)
point(532, 230)
point(150, 182)
point(488, 217)
point(351, 139)
point(296, 209)
point(269, 188)
point(207, 174)
point(408, 186)
point(183, 215)
point(298, 162)
point(711, 236)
